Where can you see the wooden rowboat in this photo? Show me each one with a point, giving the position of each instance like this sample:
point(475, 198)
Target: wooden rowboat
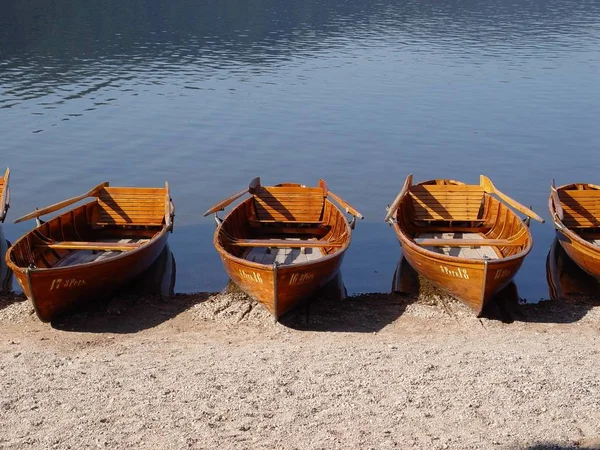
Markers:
point(4, 195)
point(91, 250)
point(284, 243)
point(460, 238)
point(575, 210)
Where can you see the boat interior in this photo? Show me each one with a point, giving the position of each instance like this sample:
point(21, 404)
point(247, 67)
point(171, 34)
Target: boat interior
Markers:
point(455, 219)
point(119, 220)
point(580, 204)
point(286, 223)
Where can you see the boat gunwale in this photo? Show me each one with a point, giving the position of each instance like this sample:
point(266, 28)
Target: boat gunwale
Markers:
point(405, 239)
point(282, 267)
point(126, 254)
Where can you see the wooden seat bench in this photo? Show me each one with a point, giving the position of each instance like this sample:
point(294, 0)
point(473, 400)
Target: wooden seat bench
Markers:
point(283, 243)
point(427, 242)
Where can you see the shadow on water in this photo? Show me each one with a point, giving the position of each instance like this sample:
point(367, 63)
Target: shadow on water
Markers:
point(333, 311)
point(146, 302)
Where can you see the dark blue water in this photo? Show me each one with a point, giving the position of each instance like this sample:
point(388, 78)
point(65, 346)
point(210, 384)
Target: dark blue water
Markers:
point(209, 94)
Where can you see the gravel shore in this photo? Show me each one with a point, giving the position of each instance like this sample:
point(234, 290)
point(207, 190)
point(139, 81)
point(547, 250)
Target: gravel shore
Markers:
point(372, 371)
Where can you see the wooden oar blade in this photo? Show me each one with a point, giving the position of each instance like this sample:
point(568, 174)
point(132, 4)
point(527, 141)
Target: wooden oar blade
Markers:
point(254, 184)
point(60, 205)
point(347, 206)
point(489, 187)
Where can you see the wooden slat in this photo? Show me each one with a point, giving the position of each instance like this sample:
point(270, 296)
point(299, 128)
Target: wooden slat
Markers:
point(131, 206)
point(299, 222)
point(581, 208)
point(283, 243)
point(101, 246)
point(289, 203)
point(439, 202)
point(464, 242)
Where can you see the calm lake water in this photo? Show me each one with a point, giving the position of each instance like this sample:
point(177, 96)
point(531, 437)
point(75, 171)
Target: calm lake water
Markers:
point(209, 94)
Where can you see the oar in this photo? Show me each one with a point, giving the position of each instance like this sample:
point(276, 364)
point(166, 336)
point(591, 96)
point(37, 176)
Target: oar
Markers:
point(344, 204)
point(254, 184)
point(60, 205)
point(392, 209)
point(5, 200)
point(489, 187)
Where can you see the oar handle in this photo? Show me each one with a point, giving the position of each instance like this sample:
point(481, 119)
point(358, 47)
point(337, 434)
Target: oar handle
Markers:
point(392, 209)
point(60, 205)
point(489, 187)
point(344, 204)
point(254, 184)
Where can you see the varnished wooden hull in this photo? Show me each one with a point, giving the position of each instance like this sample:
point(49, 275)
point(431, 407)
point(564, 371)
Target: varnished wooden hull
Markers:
point(584, 254)
point(447, 206)
point(281, 288)
point(92, 250)
point(472, 282)
point(54, 292)
point(584, 213)
point(288, 211)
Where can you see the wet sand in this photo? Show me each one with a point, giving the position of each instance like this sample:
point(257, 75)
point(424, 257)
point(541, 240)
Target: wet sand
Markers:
point(370, 371)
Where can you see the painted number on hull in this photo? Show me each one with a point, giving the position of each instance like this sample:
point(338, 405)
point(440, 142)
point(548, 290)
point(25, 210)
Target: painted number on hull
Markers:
point(250, 276)
point(456, 272)
point(298, 278)
point(59, 283)
point(501, 273)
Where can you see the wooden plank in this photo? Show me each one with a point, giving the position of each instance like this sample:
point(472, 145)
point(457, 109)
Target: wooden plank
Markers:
point(100, 246)
point(446, 188)
point(284, 243)
point(294, 222)
point(425, 242)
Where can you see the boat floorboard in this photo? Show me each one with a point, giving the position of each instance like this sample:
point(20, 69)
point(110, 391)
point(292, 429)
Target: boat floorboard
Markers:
point(484, 252)
point(284, 256)
point(87, 256)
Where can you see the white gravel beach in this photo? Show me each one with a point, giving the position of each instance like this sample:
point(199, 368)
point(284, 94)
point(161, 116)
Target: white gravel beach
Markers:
point(377, 371)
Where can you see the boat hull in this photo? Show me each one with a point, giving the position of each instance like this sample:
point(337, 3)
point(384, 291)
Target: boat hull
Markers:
point(92, 250)
point(473, 282)
point(56, 291)
point(575, 214)
point(474, 268)
point(584, 254)
point(273, 220)
point(281, 288)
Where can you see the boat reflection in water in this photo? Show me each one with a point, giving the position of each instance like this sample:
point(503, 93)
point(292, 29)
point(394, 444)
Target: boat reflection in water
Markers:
point(566, 280)
point(158, 279)
point(6, 274)
point(503, 306)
